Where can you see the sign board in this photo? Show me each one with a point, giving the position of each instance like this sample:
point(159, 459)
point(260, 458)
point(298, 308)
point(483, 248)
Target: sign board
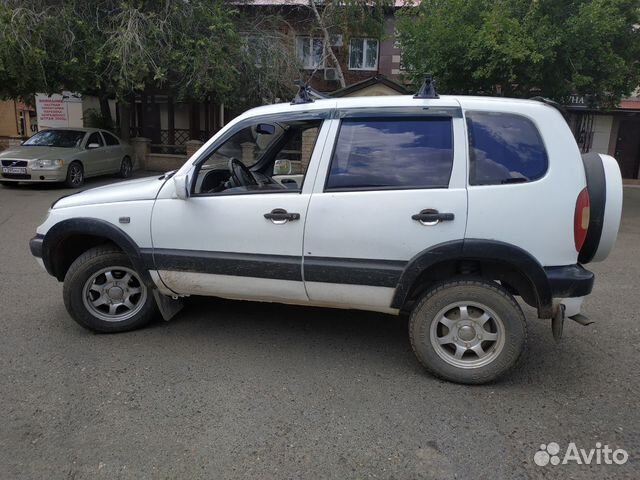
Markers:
point(59, 110)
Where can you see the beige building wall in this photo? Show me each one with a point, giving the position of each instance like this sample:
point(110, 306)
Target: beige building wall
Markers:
point(373, 91)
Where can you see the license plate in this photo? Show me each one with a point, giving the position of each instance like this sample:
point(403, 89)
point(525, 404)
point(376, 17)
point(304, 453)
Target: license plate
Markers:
point(18, 170)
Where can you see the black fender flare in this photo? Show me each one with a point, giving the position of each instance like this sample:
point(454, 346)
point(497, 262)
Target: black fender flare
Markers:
point(477, 249)
point(95, 227)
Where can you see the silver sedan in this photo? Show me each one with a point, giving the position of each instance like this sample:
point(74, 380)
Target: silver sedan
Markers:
point(66, 155)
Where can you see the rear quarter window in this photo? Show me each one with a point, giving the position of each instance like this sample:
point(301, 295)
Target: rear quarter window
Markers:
point(504, 148)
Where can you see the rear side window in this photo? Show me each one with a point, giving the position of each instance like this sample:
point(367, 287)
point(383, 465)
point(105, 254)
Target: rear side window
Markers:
point(392, 154)
point(504, 148)
point(110, 139)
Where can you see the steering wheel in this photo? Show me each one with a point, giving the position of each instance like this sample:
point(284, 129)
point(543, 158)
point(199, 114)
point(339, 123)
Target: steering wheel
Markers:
point(241, 176)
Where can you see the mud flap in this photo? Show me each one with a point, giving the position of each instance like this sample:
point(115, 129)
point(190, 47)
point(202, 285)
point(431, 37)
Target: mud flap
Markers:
point(557, 323)
point(168, 306)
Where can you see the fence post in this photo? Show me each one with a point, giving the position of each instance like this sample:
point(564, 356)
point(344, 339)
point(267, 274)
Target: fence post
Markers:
point(192, 147)
point(141, 148)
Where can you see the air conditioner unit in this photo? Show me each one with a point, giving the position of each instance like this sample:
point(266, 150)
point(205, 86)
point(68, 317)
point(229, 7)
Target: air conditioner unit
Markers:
point(335, 40)
point(331, 74)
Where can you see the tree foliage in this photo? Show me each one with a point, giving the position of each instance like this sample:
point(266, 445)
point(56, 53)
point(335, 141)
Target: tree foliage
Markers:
point(517, 47)
point(192, 49)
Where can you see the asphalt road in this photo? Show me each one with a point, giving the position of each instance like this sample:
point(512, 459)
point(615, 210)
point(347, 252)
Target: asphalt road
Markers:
point(242, 390)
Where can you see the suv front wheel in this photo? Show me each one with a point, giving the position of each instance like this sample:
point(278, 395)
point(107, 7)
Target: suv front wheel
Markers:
point(103, 292)
point(467, 331)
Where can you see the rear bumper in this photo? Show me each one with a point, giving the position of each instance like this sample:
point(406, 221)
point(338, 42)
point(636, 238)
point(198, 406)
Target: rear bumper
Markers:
point(569, 281)
point(35, 245)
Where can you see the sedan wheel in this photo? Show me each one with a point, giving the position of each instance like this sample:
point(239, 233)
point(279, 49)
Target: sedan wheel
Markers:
point(126, 168)
point(75, 175)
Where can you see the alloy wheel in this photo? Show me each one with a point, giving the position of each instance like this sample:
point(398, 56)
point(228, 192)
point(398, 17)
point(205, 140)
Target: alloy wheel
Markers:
point(114, 294)
point(467, 334)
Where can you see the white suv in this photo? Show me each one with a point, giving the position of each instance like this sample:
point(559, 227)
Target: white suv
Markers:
point(445, 208)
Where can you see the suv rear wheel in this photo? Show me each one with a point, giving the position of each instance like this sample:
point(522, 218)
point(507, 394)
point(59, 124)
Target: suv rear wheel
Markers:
point(103, 292)
point(467, 331)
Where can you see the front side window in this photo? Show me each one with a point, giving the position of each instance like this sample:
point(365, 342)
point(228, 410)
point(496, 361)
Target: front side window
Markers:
point(261, 158)
point(504, 148)
point(392, 154)
point(310, 51)
point(363, 54)
point(95, 138)
point(56, 138)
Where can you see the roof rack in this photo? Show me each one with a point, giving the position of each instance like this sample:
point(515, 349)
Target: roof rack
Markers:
point(428, 88)
point(554, 104)
point(303, 94)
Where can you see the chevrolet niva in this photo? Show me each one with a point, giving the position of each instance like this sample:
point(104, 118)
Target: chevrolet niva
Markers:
point(446, 208)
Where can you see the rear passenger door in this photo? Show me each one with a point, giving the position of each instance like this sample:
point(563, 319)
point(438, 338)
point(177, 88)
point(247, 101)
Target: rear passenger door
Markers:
point(113, 152)
point(364, 221)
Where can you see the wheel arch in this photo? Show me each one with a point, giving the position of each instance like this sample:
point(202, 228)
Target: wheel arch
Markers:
point(513, 267)
point(70, 238)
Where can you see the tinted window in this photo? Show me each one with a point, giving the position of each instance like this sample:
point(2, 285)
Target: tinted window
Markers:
point(392, 153)
point(110, 139)
point(504, 148)
point(95, 138)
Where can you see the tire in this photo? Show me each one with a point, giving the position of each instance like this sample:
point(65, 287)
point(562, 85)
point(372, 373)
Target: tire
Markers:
point(75, 175)
point(102, 292)
point(126, 168)
point(468, 331)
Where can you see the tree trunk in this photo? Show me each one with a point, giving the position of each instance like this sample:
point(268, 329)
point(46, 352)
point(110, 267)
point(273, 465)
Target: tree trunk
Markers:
point(327, 42)
point(125, 120)
point(105, 112)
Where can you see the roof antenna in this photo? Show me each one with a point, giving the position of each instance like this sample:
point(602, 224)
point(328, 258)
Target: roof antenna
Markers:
point(428, 88)
point(303, 94)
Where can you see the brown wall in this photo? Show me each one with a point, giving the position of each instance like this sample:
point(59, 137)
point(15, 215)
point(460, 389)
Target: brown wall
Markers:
point(8, 126)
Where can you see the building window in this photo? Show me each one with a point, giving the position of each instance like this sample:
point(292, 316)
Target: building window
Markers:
point(363, 54)
point(310, 51)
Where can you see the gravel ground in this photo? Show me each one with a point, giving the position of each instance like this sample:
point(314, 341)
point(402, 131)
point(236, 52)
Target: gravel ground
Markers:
point(250, 390)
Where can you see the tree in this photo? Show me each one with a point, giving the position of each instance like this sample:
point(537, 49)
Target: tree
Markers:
point(35, 48)
point(116, 48)
point(519, 47)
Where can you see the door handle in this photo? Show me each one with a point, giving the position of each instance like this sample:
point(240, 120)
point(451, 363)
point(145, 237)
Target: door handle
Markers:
point(430, 217)
point(280, 216)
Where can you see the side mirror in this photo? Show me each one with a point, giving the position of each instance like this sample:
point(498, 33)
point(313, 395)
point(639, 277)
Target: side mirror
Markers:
point(282, 167)
point(265, 129)
point(91, 146)
point(181, 184)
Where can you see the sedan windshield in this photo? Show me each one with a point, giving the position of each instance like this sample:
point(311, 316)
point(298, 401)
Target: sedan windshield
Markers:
point(56, 138)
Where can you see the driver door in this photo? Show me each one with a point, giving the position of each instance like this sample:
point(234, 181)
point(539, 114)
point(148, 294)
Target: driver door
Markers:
point(218, 241)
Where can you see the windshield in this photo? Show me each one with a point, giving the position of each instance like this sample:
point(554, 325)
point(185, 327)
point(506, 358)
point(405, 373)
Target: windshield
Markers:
point(56, 138)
